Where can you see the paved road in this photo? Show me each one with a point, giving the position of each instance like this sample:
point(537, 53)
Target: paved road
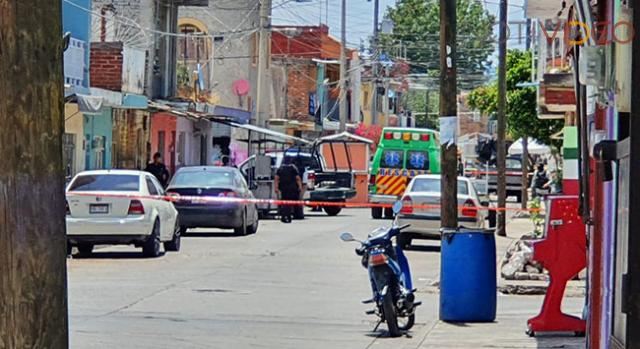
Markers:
point(289, 286)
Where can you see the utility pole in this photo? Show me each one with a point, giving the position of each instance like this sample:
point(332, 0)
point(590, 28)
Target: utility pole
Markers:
point(374, 63)
point(33, 270)
point(502, 119)
point(343, 69)
point(263, 60)
point(448, 108)
point(524, 197)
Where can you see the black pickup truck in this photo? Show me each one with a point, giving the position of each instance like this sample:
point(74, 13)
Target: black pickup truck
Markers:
point(322, 184)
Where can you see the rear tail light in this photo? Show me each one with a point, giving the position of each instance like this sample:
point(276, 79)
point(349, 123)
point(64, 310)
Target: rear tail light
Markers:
point(425, 137)
point(377, 259)
point(67, 208)
point(136, 208)
point(388, 135)
point(407, 205)
point(228, 194)
point(312, 176)
point(469, 209)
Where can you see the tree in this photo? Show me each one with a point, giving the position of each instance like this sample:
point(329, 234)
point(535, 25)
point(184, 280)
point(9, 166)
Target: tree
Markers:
point(522, 115)
point(417, 28)
point(33, 301)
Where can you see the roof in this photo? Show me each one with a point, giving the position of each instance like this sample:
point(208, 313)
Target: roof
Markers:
point(346, 136)
point(207, 168)
point(438, 176)
point(402, 129)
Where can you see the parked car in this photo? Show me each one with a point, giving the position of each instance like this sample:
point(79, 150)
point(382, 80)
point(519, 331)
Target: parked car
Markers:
point(207, 181)
point(513, 177)
point(424, 190)
point(116, 207)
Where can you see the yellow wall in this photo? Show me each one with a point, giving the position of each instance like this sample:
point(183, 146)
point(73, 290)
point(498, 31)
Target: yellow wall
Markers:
point(74, 124)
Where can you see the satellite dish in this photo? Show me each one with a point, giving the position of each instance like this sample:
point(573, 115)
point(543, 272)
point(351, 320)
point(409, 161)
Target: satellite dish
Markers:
point(241, 87)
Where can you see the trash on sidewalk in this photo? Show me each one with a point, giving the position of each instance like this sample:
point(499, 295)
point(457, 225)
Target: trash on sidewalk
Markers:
point(518, 263)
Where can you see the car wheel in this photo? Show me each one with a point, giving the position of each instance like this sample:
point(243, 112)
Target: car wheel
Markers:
point(151, 247)
point(388, 213)
point(174, 244)
point(404, 241)
point(253, 228)
point(242, 229)
point(332, 210)
point(85, 249)
point(376, 212)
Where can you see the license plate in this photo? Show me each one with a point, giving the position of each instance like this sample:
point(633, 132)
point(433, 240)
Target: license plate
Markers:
point(99, 209)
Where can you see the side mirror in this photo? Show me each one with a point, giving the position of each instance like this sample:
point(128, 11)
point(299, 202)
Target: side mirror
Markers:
point(347, 237)
point(397, 207)
point(485, 203)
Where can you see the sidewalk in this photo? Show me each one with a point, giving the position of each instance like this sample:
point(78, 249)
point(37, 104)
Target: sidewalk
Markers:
point(508, 331)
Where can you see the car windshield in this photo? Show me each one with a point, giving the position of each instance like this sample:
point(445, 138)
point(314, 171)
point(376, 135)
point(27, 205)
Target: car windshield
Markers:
point(432, 185)
point(202, 179)
point(514, 164)
point(106, 182)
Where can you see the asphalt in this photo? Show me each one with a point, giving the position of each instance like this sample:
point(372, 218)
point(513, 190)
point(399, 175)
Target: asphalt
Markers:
point(288, 286)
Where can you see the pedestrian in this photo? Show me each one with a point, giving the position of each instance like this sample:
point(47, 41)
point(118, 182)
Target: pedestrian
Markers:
point(288, 186)
point(539, 184)
point(159, 170)
point(460, 167)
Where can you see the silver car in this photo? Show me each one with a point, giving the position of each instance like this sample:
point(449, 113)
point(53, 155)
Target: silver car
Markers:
point(421, 207)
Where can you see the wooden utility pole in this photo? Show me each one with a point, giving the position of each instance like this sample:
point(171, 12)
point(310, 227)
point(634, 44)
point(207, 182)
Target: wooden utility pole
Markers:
point(33, 279)
point(448, 108)
point(502, 119)
point(374, 63)
point(343, 68)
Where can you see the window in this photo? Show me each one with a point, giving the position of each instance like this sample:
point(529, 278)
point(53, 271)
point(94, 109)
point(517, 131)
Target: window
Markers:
point(106, 183)
point(514, 164)
point(192, 47)
point(391, 159)
point(432, 185)
point(417, 160)
point(151, 187)
point(69, 151)
point(203, 179)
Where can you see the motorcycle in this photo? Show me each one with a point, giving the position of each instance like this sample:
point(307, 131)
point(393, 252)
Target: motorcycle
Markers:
point(390, 278)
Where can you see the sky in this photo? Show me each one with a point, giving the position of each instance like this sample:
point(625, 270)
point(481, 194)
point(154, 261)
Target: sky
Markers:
point(360, 16)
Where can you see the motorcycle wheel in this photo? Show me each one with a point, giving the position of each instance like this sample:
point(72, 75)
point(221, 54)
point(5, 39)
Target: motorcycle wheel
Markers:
point(390, 316)
point(406, 323)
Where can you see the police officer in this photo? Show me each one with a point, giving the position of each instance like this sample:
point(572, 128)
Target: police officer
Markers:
point(159, 170)
point(288, 184)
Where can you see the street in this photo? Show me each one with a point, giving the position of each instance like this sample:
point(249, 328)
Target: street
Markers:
point(288, 286)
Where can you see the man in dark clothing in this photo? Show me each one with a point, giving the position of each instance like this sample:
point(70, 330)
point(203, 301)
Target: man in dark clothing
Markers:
point(159, 170)
point(288, 186)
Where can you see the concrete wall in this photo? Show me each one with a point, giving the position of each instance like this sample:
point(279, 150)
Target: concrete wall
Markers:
point(164, 138)
point(234, 53)
point(185, 143)
point(78, 22)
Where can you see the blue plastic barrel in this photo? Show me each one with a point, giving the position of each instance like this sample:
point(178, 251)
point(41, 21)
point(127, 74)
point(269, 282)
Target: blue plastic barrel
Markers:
point(468, 276)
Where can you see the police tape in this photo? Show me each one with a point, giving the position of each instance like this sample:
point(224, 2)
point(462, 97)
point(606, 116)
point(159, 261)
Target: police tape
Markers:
point(279, 202)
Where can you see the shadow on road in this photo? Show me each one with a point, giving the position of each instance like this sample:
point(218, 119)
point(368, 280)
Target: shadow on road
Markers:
point(211, 234)
point(423, 248)
point(114, 255)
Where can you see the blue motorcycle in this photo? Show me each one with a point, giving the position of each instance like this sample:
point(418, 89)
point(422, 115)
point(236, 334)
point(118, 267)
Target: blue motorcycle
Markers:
point(390, 277)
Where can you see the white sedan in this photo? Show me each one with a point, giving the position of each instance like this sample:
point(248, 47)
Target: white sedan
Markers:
point(421, 201)
point(120, 207)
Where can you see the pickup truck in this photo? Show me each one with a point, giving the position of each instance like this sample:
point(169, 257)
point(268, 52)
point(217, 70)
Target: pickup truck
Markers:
point(320, 184)
point(513, 177)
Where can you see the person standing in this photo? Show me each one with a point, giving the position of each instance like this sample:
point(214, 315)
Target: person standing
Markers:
point(159, 170)
point(288, 186)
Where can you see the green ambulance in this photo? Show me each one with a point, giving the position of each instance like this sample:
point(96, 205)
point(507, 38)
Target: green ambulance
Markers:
point(402, 154)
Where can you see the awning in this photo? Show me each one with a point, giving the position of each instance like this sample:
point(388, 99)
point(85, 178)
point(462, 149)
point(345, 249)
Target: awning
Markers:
point(345, 137)
point(235, 115)
point(264, 131)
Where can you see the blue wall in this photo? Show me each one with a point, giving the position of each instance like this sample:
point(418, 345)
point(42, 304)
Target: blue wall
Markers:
point(78, 22)
point(98, 126)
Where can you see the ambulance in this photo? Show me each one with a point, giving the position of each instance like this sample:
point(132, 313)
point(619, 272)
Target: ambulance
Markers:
point(402, 154)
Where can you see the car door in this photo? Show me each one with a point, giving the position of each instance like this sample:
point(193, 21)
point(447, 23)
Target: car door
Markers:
point(246, 194)
point(155, 189)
